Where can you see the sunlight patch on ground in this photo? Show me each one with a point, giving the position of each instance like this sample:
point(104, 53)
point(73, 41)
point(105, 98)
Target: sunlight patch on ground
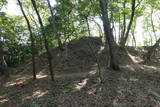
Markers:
point(3, 101)
point(150, 67)
point(92, 91)
point(130, 67)
point(101, 49)
point(133, 79)
point(82, 84)
point(41, 75)
point(135, 59)
point(36, 94)
point(92, 72)
point(39, 93)
point(17, 81)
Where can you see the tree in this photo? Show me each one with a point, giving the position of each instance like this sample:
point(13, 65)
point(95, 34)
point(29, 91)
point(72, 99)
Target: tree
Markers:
point(124, 38)
point(152, 24)
point(54, 27)
point(152, 48)
point(49, 56)
point(7, 37)
point(3, 64)
point(32, 40)
point(109, 35)
point(2, 3)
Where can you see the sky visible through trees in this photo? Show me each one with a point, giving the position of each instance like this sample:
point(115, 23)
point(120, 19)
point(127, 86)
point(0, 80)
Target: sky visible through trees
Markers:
point(80, 53)
point(140, 34)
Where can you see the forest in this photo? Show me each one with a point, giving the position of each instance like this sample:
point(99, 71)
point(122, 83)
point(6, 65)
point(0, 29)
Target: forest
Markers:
point(79, 53)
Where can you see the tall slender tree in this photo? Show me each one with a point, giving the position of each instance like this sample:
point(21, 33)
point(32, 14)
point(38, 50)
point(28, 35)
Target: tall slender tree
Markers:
point(124, 19)
point(49, 56)
point(124, 39)
point(87, 22)
point(152, 24)
point(3, 64)
point(54, 26)
point(32, 39)
point(152, 48)
point(109, 35)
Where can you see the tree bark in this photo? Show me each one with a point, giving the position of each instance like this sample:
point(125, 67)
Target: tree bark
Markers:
point(133, 35)
point(151, 43)
point(3, 64)
point(49, 56)
point(124, 20)
point(134, 40)
point(1, 56)
point(124, 40)
point(54, 27)
point(108, 34)
point(119, 29)
point(99, 27)
point(153, 28)
point(32, 40)
point(89, 32)
point(151, 50)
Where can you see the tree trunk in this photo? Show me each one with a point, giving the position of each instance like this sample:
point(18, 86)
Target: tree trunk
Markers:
point(32, 40)
point(119, 29)
point(5, 67)
point(134, 40)
point(151, 50)
point(1, 56)
point(153, 28)
point(60, 45)
point(54, 27)
point(100, 29)
point(124, 40)
point(151, 43)
point(108, 34)
point(89, 32)
point(3, 64)
point(133, 35)
point(124, 21)
point(49, 56)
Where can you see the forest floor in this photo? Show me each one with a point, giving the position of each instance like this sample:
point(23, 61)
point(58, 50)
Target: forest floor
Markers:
point(77, 84)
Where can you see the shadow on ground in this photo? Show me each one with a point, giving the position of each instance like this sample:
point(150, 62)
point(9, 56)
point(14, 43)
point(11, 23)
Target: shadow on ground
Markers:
point(77, 83)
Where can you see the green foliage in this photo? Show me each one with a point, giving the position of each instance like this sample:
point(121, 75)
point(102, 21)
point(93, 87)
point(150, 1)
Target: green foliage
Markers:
point(2, 3)
point(69, 21)
point(12, 36)
point(153, 3)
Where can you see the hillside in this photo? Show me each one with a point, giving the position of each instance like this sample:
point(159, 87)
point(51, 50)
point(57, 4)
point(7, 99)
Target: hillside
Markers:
point(77, 84)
